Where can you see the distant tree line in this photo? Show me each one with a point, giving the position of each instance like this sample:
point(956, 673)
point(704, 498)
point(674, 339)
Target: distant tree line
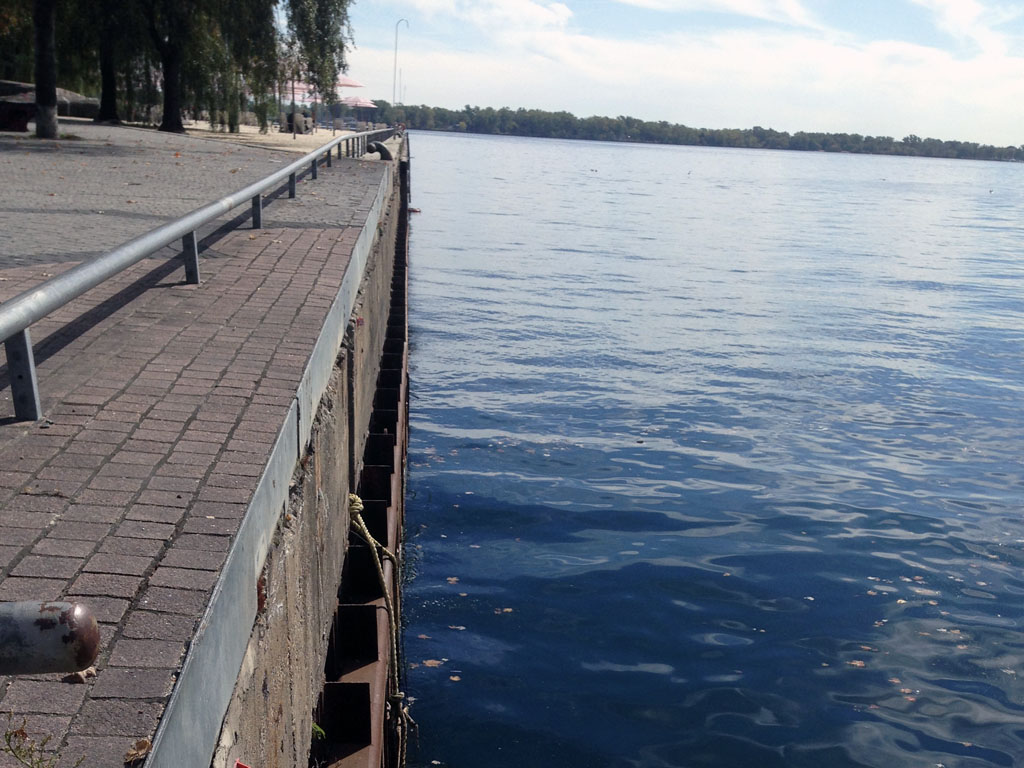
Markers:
point(215, 57)
point(564, 125)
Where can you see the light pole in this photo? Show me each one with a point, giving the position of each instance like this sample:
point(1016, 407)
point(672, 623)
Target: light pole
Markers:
point(394, 76)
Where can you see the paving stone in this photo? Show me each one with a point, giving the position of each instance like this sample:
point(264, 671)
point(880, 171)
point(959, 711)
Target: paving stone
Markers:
point(35, 502)
point(76, 461)
point(164, 600)
point(48, 567)
point(51, 697)
point(7, 554)
point(131, 652)
point(210, 525)
point(243, 470)
point(62, 482)
point(183, 578)
point(199, 447)
point(177, 557)
point(104, 498)
point(117, 717)
point(91, 448)
point(132, 546)
point(202, 542)
point(227, 480)
point(93, 513)
point(16, 588)
point(60, 547)
point(184, 485)
point(125, 470)
point(100, 751)
point(106, 585)
point(137, 457)
point(164, 498)
point(123, 564)
point(45, 731)
point(72, 529)
point(16, 518)
point(150, 625)
point(106, 483)
point(146, 513)
point(138, 529)
point(220, 509)
point(133, 683)
point(13, 479)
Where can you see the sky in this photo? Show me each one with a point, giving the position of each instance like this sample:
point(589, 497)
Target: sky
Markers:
point(945, 69)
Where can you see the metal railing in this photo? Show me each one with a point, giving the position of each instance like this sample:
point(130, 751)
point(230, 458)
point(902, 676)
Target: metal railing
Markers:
point(20, 312)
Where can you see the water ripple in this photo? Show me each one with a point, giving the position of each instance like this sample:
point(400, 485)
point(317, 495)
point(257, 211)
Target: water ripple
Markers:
point(727, 474)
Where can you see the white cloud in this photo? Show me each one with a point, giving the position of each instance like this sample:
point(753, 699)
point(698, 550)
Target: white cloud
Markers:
point(968, 20)
point(433, 7)
point(791, 79)
point(785, 11)
point(518, 22)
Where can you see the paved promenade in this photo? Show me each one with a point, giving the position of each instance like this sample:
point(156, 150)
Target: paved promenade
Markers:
point(161, 399)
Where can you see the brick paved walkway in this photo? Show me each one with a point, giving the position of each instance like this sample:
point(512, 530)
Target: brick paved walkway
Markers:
point(161, 402)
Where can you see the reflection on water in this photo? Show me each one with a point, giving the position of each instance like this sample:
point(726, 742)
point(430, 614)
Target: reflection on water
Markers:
point(715, 458)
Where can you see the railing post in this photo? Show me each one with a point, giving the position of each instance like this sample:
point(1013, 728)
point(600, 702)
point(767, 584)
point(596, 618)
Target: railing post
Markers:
point(312, 168)
point(22, 369)
point(329, 158)
point(190, 253)
point(291, 185)
point(257, 212)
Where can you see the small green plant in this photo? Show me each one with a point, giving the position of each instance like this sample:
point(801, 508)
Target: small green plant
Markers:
point(25, 750)
point(318, 732)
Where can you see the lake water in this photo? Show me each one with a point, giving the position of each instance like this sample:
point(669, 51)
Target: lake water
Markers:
point(715, 457)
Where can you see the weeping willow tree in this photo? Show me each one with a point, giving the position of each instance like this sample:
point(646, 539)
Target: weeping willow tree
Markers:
point(221, 53)
point(16, 40)
point(322, 33)
point(252, 39)
point(208, 56)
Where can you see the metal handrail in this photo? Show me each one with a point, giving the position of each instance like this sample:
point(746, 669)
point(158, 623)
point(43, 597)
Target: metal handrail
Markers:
point(21, 311)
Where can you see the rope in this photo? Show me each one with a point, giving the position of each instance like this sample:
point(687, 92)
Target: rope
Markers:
point(403, 721)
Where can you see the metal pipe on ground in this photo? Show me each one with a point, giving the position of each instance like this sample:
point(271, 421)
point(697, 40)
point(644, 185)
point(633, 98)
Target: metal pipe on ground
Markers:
point(377, 146)
point(41, 637)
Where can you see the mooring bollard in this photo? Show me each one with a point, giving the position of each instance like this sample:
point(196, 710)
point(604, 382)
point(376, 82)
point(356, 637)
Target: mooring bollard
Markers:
point(39, 637)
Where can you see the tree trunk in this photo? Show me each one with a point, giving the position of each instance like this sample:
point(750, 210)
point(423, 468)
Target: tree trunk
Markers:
point(108, 82)
point(170, 58)
point(44, 18)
